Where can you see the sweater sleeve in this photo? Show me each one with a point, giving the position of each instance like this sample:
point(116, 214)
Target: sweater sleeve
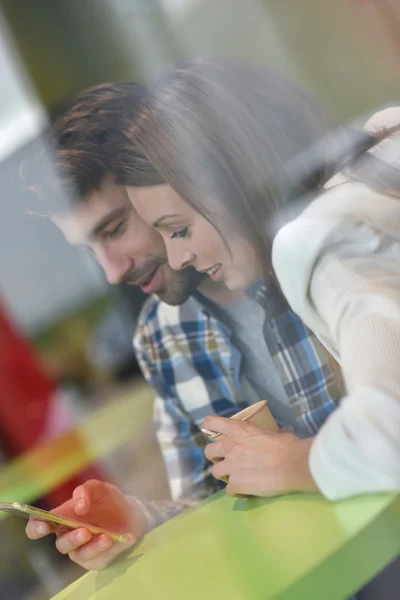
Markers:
point(346, 287)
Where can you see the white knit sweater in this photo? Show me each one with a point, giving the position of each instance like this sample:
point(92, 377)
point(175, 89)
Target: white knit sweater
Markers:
point(338, 264)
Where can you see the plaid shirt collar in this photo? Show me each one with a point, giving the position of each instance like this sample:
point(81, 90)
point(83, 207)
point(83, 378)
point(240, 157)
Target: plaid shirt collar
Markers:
point(311, 376)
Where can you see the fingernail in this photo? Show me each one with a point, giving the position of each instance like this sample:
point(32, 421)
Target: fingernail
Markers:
point(80, 505)
point(129, 538)
point(42, 529)
point(82, 537)
point(207, 432)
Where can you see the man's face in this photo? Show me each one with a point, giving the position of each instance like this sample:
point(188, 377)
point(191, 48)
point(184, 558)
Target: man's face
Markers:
point(128, 250)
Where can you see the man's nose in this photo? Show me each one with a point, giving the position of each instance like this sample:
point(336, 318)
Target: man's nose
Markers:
point(115, 268)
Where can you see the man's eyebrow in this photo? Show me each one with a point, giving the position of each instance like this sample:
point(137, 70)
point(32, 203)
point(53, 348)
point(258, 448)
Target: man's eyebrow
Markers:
point(164, 218)
point(110, 217)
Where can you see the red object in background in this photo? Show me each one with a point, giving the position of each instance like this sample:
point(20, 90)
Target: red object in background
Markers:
point(26, 395)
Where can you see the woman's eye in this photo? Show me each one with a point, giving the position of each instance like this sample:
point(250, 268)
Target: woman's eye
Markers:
point(180, 234)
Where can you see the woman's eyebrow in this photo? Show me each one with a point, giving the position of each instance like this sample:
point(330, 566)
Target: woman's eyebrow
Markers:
point(158, 222)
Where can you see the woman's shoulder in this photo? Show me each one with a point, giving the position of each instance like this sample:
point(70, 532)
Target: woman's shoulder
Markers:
point(388, 117)
point(339, 210)
point(344, 217)
point(343, 201)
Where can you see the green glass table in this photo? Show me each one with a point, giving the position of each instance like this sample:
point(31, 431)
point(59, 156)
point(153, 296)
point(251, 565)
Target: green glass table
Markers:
point(297, 547)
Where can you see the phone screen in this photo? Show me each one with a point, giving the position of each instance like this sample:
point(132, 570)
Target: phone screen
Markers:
point(25, 511)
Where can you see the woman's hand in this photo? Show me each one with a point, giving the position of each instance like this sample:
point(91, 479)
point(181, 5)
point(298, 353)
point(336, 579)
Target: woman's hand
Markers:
point(258, 462)
point(97, 503)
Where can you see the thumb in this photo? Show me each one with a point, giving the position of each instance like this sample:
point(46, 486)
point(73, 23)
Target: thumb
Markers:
point(86, 495)
point(82, 499)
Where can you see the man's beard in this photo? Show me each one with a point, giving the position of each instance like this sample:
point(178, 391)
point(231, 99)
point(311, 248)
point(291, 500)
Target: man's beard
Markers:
point(179, 286)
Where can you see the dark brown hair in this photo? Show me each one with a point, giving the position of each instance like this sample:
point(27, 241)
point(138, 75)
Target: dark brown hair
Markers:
point(225, 131)
point(85, 143)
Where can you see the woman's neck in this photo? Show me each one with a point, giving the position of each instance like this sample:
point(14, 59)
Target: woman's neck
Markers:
point(218, 292)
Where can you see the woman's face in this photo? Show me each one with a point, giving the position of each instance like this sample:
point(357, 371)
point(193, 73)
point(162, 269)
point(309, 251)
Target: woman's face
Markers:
point(191, 240)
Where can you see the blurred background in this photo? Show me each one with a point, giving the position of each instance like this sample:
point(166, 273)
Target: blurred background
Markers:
point(73, 404)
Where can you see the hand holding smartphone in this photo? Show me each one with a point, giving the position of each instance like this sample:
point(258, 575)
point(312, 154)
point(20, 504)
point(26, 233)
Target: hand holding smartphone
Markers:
point(25, 511)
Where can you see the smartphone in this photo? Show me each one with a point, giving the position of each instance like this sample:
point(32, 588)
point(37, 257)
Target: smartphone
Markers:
point(25, 511)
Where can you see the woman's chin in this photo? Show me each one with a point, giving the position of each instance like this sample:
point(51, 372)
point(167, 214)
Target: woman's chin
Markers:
point(236, 282)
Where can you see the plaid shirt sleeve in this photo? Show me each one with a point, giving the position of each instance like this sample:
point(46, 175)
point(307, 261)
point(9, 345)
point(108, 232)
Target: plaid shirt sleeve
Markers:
point(159, 511)
point(180, 439)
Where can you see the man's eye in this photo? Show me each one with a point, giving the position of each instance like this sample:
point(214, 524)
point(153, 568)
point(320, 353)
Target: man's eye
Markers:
point(113, 233)
point(180, 234)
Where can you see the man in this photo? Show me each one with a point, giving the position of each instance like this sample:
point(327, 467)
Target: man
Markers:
point(190, 341)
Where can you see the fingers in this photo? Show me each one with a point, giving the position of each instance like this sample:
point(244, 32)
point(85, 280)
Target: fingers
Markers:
point(233, 490)
point(83, 548)
point(72, 540)
point(221, 470)
point(84, 496)
point(229, 427)
point(217, 451)
point(220, 425)
point(99, 552)
point(35, 529)
point(214, 451)
point(80, 504)
point(100, 545)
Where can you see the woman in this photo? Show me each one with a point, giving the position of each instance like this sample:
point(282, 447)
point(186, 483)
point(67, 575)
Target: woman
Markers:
point(252, 162)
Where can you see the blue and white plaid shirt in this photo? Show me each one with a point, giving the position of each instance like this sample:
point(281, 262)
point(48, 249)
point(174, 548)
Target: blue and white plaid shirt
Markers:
point(187, 357)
